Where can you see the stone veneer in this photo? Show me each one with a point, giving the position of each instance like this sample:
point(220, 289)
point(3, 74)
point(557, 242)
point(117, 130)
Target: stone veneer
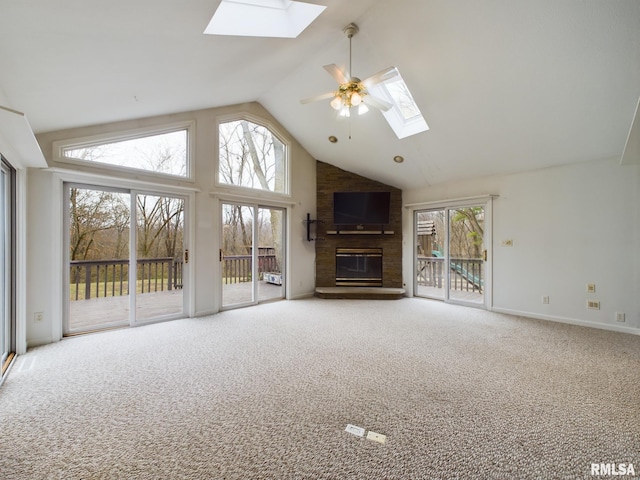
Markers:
point(332, 179)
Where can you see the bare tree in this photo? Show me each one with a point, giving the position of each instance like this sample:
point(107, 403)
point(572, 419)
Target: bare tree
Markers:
point(93, 212)
point(100, 220)
point(159, 222)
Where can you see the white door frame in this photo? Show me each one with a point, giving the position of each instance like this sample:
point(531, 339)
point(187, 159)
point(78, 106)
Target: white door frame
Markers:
point(255, 206)
point(68, 181)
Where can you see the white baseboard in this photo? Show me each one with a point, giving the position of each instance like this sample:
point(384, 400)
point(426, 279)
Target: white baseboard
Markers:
point(205, 313)
point(300, 296)
point(37, 342)
point(570, 321)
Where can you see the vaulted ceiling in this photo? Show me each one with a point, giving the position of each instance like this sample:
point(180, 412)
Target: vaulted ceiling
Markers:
point(505, 85)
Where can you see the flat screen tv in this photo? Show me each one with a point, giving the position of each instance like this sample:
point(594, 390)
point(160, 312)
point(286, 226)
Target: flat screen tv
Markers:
point(361, 208)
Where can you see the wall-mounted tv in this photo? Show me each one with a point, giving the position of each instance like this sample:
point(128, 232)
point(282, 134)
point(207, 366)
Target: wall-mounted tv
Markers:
point(361, 208)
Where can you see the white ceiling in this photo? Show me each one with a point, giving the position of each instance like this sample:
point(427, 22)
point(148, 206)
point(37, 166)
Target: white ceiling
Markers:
point(505, 85)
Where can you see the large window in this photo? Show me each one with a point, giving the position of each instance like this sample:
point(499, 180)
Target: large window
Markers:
point(252, 156)
point(163, 152)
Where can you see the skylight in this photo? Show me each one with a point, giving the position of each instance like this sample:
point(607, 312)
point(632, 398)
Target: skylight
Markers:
point(404, 116)
point(262, 18)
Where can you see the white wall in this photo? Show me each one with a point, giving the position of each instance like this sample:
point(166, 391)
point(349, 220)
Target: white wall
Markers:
point(45, 242)
point(570, 226)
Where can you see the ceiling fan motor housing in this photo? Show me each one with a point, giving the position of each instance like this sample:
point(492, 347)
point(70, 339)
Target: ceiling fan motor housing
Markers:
point(350, 30)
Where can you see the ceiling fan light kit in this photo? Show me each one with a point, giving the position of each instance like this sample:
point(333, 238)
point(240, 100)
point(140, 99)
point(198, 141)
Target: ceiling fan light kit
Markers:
point(352, 92)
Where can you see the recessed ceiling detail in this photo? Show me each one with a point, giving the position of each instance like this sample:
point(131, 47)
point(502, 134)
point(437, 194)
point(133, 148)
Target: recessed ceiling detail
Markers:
point(262, 18)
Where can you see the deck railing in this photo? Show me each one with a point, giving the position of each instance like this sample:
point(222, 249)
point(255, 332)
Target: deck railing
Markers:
point(110, 278)
point(466, 273)
point(238, 268)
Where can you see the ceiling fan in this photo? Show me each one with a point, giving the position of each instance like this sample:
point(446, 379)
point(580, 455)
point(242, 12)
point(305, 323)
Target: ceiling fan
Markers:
point(353, 92)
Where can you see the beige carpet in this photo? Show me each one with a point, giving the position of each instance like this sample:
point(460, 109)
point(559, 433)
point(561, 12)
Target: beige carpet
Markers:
point(266, 393)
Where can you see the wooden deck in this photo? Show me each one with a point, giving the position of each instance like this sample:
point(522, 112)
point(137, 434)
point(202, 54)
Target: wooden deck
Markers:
point(97, 313)
point(461, 295)
point(107, 312)
point(238, 293)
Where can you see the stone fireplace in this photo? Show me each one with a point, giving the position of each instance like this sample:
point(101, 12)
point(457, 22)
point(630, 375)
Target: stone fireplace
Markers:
point(365, 257)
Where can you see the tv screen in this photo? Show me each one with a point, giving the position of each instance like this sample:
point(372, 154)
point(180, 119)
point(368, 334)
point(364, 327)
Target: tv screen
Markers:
point(361, 208)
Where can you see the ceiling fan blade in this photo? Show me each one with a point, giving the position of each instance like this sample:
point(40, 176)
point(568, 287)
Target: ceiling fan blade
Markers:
point(338, 75)
point(376, 103)
point(323, 96)
point(381, 76)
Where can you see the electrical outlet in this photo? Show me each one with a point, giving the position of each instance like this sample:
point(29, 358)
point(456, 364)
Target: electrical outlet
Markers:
point(620, 317)
point(591, 288)
point(376, 437)
point(38, 317)
point(358, 431)
point(545, 300)
point(593, 304)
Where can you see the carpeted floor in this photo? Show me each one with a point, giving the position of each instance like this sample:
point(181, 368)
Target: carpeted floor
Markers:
point(266, 393)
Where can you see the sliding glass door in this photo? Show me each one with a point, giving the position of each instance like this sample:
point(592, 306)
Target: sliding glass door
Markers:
point(7, 266)
point(252, 254)
point(431, 274)
point(450, 257)
point(111, 284)
point(159, 256)
point(467, 254)
point(98, 246)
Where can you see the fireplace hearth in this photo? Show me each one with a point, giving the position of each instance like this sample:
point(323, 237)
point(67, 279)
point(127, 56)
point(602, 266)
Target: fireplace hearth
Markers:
point(358, 267)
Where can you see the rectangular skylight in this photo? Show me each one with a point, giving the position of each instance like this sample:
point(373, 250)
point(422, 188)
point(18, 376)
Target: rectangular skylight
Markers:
point(404, 116)
point(402, 98)
point(262, 18)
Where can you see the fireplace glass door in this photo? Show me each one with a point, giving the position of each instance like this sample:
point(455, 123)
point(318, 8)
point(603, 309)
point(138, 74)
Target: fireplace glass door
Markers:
point(359, 267)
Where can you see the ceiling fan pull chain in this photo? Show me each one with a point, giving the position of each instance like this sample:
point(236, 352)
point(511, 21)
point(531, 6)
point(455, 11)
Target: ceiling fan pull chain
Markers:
point(350, 67)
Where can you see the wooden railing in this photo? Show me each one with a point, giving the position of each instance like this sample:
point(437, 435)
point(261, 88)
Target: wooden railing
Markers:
point(110, 278)
point(466, 273)
point(238, 268)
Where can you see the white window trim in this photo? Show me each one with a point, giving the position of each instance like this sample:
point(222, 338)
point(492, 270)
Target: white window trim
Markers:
point(279, 135)
point(113, 137)
point(85, 178)
point(259, 200)
point(454, 202)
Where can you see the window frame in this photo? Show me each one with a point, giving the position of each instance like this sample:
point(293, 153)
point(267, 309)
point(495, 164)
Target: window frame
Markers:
point(126, 135)
point(401, 126)
point(274, 131)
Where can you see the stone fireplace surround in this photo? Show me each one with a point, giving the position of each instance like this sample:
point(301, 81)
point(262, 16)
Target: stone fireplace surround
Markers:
point(333, 179)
